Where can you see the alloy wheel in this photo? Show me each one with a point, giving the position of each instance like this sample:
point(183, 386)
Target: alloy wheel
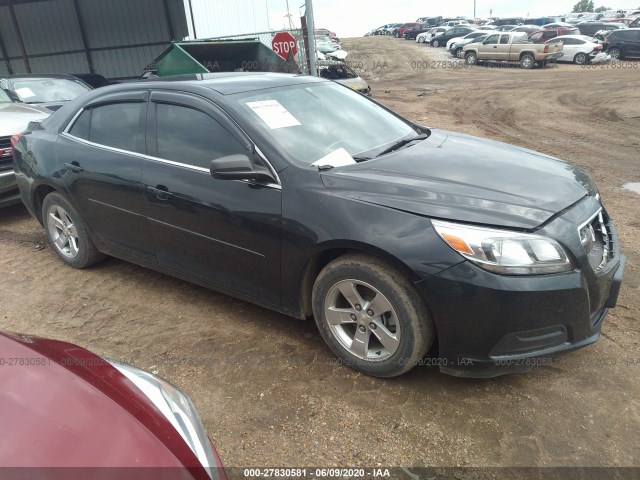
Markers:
point(63, 232)
point(362, 319)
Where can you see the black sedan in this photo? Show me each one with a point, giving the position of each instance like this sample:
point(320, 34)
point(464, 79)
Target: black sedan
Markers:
point(454, 32)
point(391, 235)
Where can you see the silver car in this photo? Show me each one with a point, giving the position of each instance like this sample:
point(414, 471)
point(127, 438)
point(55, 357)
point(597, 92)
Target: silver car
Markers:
point(14, 118)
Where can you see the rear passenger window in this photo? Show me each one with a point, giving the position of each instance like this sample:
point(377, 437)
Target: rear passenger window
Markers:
point(504, 40)
point(192, 137)
point(117, 125)
point(80, 128)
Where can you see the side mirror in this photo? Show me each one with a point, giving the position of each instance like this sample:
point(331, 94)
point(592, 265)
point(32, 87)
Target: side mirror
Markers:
point(237, 167)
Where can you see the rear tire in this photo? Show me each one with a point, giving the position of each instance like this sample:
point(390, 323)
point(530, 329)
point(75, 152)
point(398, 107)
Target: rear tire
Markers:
point(67, 233)
point(527, 61)
point(615, 53)
point(580, 58)
point(420, 39)
point(435, 43)
point(371, 316)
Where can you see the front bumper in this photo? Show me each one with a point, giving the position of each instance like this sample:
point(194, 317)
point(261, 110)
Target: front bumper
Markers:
point(9, 193)
point(490, 325)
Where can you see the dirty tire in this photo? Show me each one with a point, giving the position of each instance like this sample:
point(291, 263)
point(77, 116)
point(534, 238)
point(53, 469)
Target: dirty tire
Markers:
point(615, 53)
point(580, 58)
point(86, 253)
point(527, 61)
point(471, 58)
point(414, 332)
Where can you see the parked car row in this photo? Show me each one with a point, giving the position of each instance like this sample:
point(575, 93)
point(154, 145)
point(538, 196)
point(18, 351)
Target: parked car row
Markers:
point(583, 42)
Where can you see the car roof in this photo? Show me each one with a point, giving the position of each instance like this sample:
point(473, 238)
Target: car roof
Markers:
point(40, 75)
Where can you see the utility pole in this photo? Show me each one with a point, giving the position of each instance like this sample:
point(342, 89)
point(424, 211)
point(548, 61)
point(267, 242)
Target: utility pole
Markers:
point(308, 13)
point(474, 9)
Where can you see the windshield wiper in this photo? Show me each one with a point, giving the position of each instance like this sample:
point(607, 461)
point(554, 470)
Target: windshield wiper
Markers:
point(404, 142)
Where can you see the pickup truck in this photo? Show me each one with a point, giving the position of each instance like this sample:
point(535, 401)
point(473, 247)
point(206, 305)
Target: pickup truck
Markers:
point(511, 47)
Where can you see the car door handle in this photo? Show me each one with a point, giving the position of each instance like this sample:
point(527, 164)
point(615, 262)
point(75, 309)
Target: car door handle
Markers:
point(74, 167)
point(161, 192)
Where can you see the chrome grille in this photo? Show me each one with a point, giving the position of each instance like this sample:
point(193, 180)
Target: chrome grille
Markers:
point(6, 155)
point(596, 236)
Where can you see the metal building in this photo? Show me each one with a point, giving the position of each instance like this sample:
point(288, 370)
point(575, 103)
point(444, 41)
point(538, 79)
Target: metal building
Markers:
point(217, 18)
point(113, 38)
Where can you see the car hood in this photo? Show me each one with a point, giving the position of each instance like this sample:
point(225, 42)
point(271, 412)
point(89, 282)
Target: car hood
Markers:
point(357, 84)
point(469, 179)
point(14, 117)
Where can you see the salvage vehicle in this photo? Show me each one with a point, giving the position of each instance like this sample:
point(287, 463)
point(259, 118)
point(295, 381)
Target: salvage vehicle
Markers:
point(623, 43)
point(398, 32)
point(468, 38)
point(542, 36)
point(591, 28)
point(441, 40)
point(414, 32)
point(14, 118)
point(49, 91)
point(427, 36)
point(390, 234)
point(457, 49)
point(69, 410)
point(340, 72)
point(577, 49)
point(511, 47)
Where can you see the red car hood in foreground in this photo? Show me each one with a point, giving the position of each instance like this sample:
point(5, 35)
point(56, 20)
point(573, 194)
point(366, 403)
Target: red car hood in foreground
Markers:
point(63, 406)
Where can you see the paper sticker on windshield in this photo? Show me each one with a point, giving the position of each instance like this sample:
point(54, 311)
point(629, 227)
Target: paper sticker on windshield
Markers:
point(273, 114)
point(25, 92)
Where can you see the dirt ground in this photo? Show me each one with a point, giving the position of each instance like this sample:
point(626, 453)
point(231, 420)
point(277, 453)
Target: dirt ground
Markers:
point(264, 384)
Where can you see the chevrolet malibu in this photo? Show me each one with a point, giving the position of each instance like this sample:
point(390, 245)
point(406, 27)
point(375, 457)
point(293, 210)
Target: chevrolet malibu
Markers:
point(73, 414)
point(393, 236)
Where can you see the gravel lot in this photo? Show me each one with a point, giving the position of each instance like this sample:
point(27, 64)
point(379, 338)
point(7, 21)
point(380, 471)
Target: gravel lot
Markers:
point(265, 384)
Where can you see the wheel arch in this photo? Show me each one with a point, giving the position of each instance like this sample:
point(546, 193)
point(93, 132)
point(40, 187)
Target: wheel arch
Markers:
point(326, 253)
point(39, 194)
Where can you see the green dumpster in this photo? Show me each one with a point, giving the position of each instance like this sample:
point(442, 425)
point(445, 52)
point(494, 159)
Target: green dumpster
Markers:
point(209, 56)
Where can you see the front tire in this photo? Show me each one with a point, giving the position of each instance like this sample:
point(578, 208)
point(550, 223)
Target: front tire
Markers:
point(370, 316)
point(67, 233)
point(471, 58)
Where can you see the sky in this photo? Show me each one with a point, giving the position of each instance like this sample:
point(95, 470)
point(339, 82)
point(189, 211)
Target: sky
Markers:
point(352, 18)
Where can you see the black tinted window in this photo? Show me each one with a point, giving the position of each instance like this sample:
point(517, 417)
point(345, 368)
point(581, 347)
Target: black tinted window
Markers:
point(504, 39)
point(81, 126)
point(117, 125)
point(192, 137)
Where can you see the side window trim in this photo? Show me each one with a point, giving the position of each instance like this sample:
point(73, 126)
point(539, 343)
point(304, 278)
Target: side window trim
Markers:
point(119, 97)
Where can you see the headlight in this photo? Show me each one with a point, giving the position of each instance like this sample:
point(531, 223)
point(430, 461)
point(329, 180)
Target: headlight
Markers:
point(505, 252)
point(178, 409)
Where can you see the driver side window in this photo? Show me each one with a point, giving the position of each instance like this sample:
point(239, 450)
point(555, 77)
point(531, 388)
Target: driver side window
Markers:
point(492, 40)
point(192, 137)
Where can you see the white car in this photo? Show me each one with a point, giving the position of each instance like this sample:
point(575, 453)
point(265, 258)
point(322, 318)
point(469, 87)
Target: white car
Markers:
point(469, 36)
point(578, 49)
point(427, 36)
point(487, 27)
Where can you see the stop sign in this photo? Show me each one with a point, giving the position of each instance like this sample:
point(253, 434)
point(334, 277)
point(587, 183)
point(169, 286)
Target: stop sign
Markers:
point(284, 44)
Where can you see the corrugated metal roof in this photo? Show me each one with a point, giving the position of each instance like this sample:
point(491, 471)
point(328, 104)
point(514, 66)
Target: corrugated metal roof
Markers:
point(120, 36)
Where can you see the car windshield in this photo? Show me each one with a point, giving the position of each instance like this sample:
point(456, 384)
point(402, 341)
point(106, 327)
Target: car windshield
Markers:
point(41, 90)
point(311, 121)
